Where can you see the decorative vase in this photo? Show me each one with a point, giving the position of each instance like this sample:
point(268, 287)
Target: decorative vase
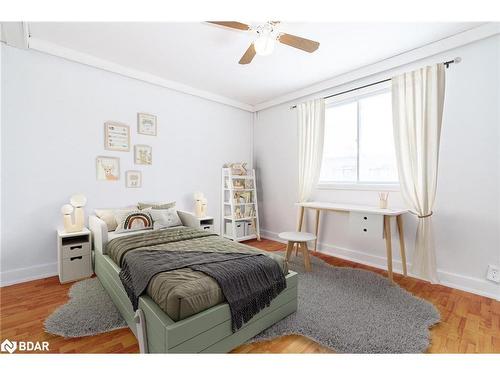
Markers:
point(382, 203)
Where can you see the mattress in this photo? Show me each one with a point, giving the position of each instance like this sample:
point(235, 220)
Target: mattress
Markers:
point(184, 292)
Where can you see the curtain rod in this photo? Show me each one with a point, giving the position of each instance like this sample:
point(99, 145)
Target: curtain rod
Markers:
point(456, 60)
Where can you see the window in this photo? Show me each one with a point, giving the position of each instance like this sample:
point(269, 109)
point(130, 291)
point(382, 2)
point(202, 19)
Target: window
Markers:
point(359, 145)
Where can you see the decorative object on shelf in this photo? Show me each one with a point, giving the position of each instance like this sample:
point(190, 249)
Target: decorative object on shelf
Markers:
point(108, 168)
point(78, 201)
point(143, 154)
point(383, 196)
point(146, 124)
point(249, 211)
point(237, 168)
point(237, 213)
point(238, 184)
point(133, 179)
point(242, 197)
point(200, 205)
point(248, 183)
point(116, 137)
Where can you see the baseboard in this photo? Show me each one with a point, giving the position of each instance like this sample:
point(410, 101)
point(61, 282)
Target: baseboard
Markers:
point(21, 275)
point(452, 280)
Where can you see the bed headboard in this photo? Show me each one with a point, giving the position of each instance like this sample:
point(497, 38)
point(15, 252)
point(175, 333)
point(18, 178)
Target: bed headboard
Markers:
point(99, 231)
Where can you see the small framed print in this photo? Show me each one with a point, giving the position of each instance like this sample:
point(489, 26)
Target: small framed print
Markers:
point(116, 136)
point(133, 179)
point(146, 124)
point(107, 168)
point(143, 154)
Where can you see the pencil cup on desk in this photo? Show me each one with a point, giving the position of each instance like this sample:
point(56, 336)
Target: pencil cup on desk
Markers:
point(383, 199)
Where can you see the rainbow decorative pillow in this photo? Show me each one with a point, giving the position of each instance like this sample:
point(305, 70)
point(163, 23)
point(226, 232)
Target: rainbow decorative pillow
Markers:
point(129, 221)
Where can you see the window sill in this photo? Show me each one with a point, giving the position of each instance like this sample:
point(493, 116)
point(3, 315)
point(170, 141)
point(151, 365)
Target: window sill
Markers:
point(360, 187)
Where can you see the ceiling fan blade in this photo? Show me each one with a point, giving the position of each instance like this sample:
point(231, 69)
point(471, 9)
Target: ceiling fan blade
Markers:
point(248, 55)
point(298, 42)
point(231, 24)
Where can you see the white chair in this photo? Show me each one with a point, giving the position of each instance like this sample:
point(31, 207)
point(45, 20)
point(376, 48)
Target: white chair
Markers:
point(299, 238)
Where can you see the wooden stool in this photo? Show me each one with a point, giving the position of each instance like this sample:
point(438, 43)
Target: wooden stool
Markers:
point(299, 238)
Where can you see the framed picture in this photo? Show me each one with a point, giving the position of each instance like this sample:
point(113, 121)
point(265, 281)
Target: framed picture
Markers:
point(133, 179)
point(146, 124)
point(108, 168)
point(143, 154)
point(116, 136)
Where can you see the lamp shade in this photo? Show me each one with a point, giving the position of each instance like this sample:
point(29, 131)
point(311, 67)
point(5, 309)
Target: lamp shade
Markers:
point(78, 200)
point(264, 44)
point(198, 195)
point(67, 209)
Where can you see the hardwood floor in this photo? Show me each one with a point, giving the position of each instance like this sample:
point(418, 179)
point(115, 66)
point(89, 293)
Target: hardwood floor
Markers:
point(470, 323)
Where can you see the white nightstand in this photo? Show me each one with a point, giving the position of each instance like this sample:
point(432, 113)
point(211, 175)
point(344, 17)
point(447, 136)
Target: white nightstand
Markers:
point(190, 220)
point(74, 256)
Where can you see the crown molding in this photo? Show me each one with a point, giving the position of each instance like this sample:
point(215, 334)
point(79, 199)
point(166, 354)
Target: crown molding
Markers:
point(86, 59)
point(15, 34)
point(431, 49)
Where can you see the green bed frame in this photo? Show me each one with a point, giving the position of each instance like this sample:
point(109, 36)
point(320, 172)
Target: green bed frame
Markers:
point(206, 332)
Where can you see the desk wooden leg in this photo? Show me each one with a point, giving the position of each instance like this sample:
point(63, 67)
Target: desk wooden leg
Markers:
point(305, 252)
point(399, 220)
point(301, 219)
point(388, 245)
point(316, 231)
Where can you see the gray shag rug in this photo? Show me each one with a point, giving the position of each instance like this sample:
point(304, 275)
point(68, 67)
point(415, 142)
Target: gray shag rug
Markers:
point(347, 310)
point(355, 311)
point(88, 312)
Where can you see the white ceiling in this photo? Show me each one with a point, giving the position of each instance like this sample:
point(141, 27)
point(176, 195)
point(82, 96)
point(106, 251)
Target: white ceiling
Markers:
point(206, 56)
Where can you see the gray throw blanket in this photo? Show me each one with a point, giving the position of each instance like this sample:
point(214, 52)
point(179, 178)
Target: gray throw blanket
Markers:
point(249, 282)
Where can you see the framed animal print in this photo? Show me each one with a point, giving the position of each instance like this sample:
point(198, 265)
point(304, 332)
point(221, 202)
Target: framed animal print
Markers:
point(143, 154)
point(133, 179)
point(116, 137)
point(107, 168)
point(146, 124)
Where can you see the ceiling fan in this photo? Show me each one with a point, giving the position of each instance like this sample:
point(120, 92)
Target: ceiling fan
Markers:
point(267, 35)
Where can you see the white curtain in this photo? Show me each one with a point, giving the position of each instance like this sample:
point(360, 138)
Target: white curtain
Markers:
point(311, 120)
point(417, 101)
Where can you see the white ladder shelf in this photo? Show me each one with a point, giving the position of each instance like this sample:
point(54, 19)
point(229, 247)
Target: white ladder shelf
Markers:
point(246, 226)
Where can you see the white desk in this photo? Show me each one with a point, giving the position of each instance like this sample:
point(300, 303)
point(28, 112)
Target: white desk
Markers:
point(368, 219)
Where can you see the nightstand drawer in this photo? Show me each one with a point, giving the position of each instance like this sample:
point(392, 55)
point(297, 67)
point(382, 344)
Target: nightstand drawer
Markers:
point(366, 225)
point(208, 227)
point(76, 268)
point(75, 249)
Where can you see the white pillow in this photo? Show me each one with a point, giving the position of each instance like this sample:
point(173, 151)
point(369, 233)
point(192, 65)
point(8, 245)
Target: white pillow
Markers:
point(165, 218)
point(129, 221)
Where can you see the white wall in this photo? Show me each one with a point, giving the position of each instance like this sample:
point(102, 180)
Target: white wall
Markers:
point(467, 207)
point(52, 131)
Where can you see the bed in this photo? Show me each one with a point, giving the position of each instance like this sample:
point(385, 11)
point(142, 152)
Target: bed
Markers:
point(184, 311)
